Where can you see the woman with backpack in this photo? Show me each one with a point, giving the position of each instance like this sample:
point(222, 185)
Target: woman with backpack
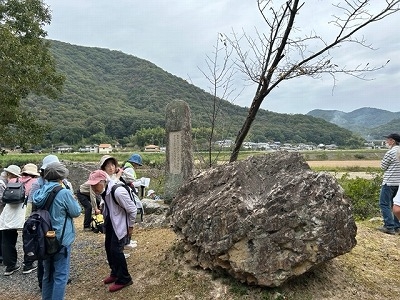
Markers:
point(120, 214)
point(62, 211)
point(29, 175)
point(12, 218)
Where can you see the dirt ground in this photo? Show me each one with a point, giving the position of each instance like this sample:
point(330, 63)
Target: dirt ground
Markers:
point(369, 271)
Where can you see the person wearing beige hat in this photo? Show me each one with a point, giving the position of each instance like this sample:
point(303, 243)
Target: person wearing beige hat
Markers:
point(29, 175)
point(109, 164)
point(12, 219)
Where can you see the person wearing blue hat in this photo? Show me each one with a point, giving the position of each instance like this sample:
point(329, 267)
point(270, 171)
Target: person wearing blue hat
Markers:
point(134, 161)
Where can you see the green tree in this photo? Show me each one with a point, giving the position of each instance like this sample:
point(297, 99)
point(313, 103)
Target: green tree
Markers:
point(147, 136)
point(26, 66)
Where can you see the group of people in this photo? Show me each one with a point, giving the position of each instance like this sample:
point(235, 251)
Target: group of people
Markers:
point(52, 274)
point(389, 198)
point(95, 196)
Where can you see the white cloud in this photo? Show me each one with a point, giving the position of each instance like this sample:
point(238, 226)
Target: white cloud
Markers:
point(177, 35)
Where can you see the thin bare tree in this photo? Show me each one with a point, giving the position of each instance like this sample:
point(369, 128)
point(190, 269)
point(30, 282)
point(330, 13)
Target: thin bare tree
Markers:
point(278, 54)
point(220, 73)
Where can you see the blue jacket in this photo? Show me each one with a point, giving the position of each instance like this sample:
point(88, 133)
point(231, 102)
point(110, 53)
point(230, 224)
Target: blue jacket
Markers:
point(64, 203)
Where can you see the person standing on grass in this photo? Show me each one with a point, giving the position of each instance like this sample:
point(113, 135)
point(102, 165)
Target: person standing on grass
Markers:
point(390, 185)
point(119, 217)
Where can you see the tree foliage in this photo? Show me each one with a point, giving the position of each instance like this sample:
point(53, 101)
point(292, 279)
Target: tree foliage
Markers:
point(26, 66)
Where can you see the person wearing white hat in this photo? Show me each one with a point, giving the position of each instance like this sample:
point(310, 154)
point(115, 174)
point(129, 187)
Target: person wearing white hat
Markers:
point(3, 184)
point(152, 195)
point(12, 218)
point(29, 174)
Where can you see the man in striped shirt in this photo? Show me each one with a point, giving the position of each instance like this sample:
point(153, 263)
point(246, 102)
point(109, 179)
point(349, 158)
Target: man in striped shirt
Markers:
point(390, 185)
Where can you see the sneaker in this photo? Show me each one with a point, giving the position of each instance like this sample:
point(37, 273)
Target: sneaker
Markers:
point(11, 270)
point(386, 230)
point(131, 245)
point(28, 269)
point(109, 279)
point(87, 229)
point(116, 287)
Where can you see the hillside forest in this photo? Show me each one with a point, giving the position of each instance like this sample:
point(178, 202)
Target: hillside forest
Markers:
point(112, 97)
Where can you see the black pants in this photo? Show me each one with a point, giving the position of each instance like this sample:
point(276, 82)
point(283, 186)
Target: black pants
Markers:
point(1, 251)
point(40, 272)
point(8, 243)
point(115, 255)
point(87, 206)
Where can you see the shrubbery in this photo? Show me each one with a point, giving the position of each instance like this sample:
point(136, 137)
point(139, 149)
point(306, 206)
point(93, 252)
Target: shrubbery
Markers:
point(364, 194)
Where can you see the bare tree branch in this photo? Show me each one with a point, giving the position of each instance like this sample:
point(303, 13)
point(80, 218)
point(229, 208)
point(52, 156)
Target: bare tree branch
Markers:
point(278, 55)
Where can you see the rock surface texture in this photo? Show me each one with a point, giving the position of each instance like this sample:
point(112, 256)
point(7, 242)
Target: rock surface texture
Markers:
point(263, 220)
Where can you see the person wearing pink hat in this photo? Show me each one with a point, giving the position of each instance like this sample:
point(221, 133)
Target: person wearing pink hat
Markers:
point(119, 215)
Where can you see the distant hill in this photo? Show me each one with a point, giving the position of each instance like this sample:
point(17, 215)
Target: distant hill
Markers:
point(109, 95)
point(371, 123)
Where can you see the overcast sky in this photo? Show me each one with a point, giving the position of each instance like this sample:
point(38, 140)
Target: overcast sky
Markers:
point(176, 35)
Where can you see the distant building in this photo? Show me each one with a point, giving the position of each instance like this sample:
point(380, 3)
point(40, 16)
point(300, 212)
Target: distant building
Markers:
point(105, 148)
point(63, 149)
point(331, 147)
point(89, 149)
point(151, 148)
point(224, 143)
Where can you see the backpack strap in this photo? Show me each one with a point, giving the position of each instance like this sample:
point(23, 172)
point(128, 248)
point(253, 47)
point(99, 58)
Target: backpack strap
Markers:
point(113, 188)
point(51, 196)
point(49, 201)
point(130, 191)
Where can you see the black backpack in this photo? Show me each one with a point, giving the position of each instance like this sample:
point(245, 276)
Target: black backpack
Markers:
point(38, 236)
point(14, 193)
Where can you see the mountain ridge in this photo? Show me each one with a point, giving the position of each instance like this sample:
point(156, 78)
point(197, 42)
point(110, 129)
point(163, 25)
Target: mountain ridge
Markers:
point(369, 122)
point(109, 96)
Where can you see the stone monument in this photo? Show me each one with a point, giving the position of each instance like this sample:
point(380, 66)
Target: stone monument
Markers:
point(179, 152)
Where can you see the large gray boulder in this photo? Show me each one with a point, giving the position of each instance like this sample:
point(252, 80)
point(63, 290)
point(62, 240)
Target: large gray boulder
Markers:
point(263, 220)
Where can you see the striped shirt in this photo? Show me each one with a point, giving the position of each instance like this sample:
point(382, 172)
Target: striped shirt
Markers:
point(391, 166)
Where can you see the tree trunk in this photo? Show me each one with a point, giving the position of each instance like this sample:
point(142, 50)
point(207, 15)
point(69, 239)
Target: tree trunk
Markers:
point(246, 126)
